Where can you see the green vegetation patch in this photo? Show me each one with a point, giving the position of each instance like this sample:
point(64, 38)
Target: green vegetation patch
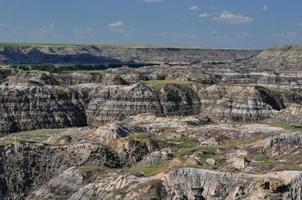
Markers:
point(92, 172)
point(285, 125)
point(95, 169)
point(148, 170)
point(159, 84)
point(38, 136)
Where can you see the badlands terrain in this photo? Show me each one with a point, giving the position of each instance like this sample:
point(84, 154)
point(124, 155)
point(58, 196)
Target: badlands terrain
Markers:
point(150, 123)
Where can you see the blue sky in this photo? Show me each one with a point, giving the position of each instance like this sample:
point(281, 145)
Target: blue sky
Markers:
point(252, 24)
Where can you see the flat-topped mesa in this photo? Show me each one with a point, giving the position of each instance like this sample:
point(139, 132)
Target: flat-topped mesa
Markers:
point(117, 102)
point(286, 58)
point(37, 107)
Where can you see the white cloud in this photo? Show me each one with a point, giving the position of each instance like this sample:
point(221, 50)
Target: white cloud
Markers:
point(264, 8)
point(287, 35)
point(205, 15)
point(45, 29)
point(231, 18)
point(213, 32)
point(227, 17)
point(194, 7)
point(87, 30)
point(153, 1)
point(243, 35)
point(2, 24)
point(118, 26)
point(300, 24)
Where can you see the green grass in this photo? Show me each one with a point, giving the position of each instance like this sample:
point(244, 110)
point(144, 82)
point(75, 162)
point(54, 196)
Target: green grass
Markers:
point(285, 125)
point(207, 152)
point(159, 84)
point(95, 169)
point(264, 161)
point(143, 137)
point(38, 136)
point(91, 172)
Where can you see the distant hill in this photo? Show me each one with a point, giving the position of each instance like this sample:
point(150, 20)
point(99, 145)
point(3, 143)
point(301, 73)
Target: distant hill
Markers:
point(285, 58)
point(103, 54)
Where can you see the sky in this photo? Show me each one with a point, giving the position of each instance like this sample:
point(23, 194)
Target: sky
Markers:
point(244, 24)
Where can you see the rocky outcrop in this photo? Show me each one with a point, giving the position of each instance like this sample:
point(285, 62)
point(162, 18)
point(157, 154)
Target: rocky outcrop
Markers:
point(285, 58)
point(253, 103)
point(182, 55)
point(23, 166)
point(239, 103)
point(179, 100)
point(156, 157)
point(37, 107)
point(203, 184)
point(134, 151)
point(266, 77)
point(118, 102)
point(184, 183)
point(283, 145)
point(291, 114)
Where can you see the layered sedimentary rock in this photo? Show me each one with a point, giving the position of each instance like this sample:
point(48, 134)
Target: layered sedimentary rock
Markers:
point(37, 107)
point(162, 54)
point(244, 103)
point(203, 184)
point(253, 103)
point(167, 131)
point(23, 166)
point(291, 114)
point(268, 77)
point(118, 102)
point(283, 145)
point(285, 58)
point(19, 77)
point(179, 100)
point(185, 183)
